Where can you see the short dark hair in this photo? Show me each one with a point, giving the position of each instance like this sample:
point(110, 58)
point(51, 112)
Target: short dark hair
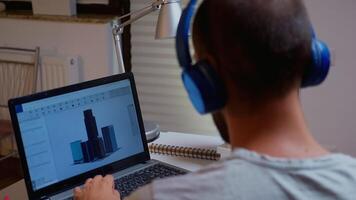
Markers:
point(264, 46)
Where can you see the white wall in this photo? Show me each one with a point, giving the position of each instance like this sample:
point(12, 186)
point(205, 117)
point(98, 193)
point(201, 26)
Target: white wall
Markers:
point(331, 107)
point(91, 42)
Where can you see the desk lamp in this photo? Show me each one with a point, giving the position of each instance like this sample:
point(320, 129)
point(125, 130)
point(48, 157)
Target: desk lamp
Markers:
point(167, 23)
point(168, 19)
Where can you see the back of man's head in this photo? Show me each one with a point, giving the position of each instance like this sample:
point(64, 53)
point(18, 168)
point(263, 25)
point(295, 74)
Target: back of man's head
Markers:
point(263, 46)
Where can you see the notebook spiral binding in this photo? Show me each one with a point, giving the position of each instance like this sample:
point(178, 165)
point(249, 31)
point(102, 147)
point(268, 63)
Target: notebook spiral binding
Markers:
point(189, 152)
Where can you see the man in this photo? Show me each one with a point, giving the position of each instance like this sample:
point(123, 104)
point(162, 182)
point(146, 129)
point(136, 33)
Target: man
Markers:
point(260, 49)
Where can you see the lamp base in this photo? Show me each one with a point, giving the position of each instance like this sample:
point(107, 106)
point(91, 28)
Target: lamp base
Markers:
point(152, 131)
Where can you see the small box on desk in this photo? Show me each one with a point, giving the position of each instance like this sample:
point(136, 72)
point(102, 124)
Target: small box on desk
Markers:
point(54, 7)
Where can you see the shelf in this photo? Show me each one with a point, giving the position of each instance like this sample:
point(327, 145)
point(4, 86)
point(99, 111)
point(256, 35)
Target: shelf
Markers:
point(27, 15)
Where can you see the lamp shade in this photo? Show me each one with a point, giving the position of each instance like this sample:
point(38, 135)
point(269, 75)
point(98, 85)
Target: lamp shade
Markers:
point(168, 19)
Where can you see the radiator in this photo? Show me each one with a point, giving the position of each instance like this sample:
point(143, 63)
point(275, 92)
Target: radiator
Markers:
point(53, 72)
point(57, 72)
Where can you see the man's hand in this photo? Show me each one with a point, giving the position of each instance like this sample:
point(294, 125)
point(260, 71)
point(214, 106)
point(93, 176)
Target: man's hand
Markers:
point(98, 188)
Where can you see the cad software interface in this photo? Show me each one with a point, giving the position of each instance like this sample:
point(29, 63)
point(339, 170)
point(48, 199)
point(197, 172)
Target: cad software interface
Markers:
point(73, 133)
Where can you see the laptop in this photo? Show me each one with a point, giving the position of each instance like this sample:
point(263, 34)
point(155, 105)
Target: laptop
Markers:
point(69, 134)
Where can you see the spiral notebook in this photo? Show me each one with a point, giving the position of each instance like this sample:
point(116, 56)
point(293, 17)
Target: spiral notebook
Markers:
point(189, 152)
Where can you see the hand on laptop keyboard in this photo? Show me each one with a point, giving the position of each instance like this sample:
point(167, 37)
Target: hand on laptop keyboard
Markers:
point(103, 188)
point(127, 184)
point(98, 188)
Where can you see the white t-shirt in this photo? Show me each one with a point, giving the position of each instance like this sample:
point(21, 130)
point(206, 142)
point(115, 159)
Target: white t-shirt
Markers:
point(248, 175)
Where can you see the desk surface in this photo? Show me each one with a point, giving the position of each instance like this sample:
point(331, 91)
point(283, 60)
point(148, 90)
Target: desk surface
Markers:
point(17, 191)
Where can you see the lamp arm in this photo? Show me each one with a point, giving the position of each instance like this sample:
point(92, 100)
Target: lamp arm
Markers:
point(118, 29)
point(136, 15)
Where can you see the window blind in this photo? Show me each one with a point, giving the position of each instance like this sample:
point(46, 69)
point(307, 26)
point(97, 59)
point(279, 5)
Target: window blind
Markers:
point(161, 93)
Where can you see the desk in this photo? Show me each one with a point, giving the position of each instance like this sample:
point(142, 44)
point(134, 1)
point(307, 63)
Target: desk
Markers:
point(17, 191)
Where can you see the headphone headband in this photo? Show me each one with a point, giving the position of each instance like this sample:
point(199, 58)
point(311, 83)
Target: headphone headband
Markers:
point(205, 89)
point(182, 38)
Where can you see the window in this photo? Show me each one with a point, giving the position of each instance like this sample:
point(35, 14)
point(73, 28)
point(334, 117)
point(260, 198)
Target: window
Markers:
point(162, 96)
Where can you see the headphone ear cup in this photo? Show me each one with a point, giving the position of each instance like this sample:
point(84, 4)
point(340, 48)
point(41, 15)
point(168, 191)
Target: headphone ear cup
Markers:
point(204, 87)
point(319, 70)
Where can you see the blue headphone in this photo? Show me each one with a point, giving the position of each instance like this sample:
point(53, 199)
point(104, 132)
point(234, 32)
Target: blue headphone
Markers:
point(205, 88)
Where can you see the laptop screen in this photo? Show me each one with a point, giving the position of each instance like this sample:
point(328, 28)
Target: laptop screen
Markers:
point(70, 134)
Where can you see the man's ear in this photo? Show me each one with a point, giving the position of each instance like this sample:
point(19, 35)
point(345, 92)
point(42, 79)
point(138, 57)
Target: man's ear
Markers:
point(212, 61)
point(215, 65)
point(201, 54)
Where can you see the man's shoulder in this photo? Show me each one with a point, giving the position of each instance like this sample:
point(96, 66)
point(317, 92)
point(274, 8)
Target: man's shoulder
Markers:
point(212, 171)
point(239, 176)
point(206, 183)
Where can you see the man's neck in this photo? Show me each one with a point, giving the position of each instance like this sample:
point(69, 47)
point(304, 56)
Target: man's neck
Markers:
point(277, 129)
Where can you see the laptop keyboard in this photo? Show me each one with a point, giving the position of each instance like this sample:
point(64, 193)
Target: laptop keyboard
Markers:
point(127, 184)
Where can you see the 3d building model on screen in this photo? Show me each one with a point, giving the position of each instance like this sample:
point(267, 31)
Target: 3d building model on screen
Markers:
point(95, 147)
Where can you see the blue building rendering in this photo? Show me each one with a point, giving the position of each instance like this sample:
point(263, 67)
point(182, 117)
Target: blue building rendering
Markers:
point(109, 138)
point(95, 147)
